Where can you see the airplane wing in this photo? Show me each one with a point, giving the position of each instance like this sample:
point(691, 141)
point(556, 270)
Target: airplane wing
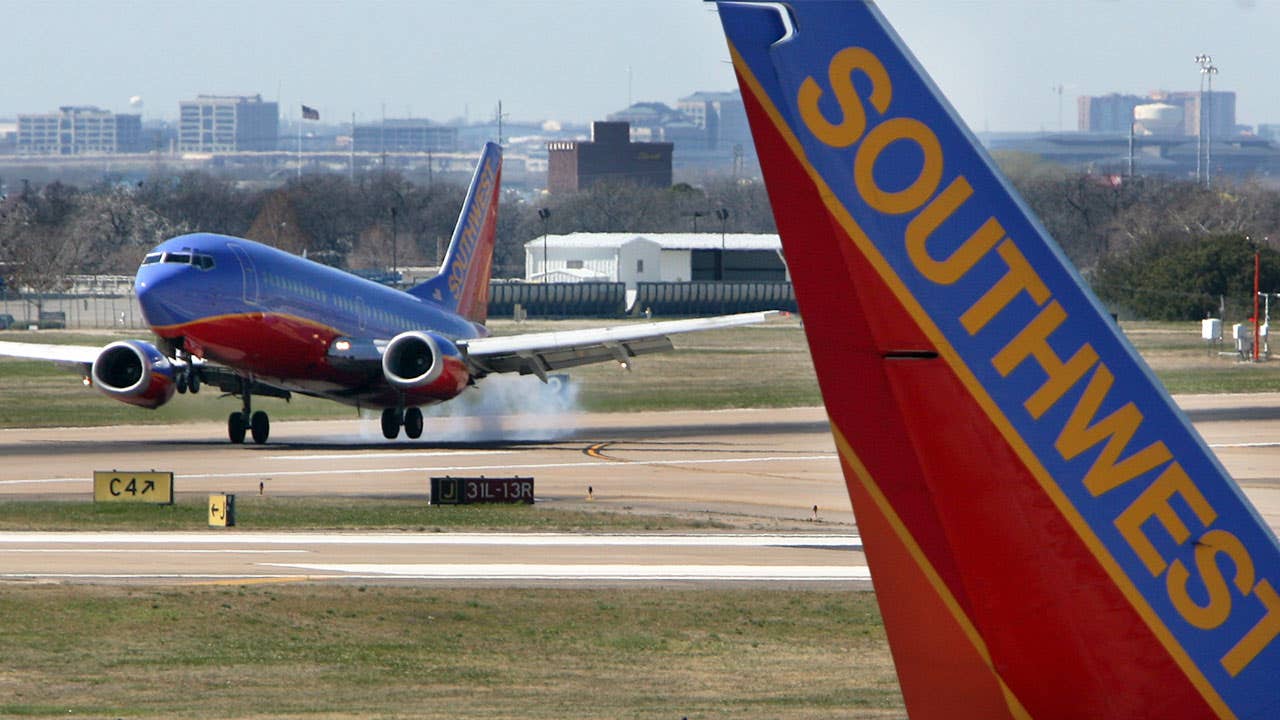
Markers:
point(538, 353)
point(61, 354)
point(81, 358)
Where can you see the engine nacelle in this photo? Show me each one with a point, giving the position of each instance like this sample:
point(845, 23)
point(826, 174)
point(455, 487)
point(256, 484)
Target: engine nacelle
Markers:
point(135, 372)
point(425, 365)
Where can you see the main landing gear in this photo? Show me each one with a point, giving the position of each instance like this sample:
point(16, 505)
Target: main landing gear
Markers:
point(408, 418)
point(257, 423)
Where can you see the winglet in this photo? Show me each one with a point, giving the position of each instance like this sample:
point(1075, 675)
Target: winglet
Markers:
point(463, 283)
point(1047, 534)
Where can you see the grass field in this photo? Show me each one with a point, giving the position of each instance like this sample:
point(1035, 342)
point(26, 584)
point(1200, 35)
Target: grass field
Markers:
point(325, 651)
point(758, 366)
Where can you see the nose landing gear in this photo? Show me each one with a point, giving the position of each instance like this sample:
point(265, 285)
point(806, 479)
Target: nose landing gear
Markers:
point(256, 423)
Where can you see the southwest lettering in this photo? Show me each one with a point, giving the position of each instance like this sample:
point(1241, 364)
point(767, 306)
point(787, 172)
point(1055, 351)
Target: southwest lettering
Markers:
point(1218, 607)
point(854, 116)
point(1033, 342)
point(1209, 584)
point(1239, 657)
point(1080, 433)
point(963, 258)
point(1021, 277)
point(1154, 503)
point(921, 188)
point(476, 215)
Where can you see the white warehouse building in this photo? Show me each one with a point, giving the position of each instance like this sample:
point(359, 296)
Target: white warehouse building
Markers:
point(655, 257)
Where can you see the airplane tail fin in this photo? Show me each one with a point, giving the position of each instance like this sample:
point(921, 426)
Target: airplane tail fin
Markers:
point(1047, 535)
point(463, 283)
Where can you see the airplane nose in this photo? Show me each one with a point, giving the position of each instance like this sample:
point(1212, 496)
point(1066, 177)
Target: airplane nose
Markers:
point(160, 292)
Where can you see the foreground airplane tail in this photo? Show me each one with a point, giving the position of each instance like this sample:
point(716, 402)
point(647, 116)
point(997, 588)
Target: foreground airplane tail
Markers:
point(463, 283)
point(1048, 536)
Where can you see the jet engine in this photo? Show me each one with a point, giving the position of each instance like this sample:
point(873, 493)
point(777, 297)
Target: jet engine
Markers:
point(134, 372)
point(425, 365)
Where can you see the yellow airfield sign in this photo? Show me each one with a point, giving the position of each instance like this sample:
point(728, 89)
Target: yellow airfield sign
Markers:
point(128, 486)
point(222, 510)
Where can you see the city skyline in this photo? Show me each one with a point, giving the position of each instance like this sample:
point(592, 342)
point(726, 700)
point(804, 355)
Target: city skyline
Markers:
point(575, 61)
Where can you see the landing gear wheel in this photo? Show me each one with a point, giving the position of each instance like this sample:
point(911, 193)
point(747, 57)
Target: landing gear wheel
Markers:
point(181, 383)
point(236, 428)
point(193, 381)
point(413, 423)
point(391, 422)
point(260, 426)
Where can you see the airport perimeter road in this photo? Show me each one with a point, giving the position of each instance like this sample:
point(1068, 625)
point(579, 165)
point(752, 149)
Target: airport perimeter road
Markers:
point(499, 558)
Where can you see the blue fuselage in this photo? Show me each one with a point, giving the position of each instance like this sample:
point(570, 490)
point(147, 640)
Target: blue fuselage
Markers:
point(273, 315)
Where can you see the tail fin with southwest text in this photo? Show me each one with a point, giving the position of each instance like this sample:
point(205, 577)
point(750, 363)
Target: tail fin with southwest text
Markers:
point(1047, 534)
point(463, 283)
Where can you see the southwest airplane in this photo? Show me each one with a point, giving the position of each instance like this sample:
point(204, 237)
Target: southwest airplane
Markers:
point(1048, 536)
point(253, 320)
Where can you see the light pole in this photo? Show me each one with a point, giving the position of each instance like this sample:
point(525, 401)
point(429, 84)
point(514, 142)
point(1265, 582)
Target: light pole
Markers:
point(1210, 71)
point(544, 213)
point(723, 216)
point(1203, 60)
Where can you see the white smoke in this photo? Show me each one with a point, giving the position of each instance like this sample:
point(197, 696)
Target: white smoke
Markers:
point(500, 408)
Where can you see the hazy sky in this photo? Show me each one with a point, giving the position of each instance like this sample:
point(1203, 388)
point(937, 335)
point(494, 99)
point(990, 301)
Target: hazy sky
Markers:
point(998, 60)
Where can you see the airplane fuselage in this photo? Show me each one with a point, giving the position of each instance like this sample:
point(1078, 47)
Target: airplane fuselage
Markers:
point(275, 316)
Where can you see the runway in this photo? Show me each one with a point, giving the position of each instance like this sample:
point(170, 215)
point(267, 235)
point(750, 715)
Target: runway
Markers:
point(760, 471)
point(370, 557)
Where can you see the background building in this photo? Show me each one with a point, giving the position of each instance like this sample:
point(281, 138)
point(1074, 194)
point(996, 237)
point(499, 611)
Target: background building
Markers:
point(655, 257)
point(610, 155)
point(79, 130)
point(1107, 113)
point(722, 115)
point(1112, 113)
point(228, 123)
point(412, 135)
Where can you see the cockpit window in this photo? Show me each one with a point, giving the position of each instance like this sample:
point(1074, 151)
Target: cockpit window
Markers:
point(200, 260)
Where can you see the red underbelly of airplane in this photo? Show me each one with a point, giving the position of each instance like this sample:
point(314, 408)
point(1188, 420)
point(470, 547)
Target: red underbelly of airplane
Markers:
point(292, 351)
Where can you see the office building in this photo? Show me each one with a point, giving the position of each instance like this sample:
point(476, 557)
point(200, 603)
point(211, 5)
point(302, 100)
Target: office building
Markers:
point(609, 156)
point(79, 130)
point(228, 123)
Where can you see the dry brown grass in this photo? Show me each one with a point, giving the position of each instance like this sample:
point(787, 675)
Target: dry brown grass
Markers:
point(382, 651)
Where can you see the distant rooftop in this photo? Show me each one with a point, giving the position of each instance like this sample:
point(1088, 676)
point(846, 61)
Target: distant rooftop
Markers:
point(668, 241)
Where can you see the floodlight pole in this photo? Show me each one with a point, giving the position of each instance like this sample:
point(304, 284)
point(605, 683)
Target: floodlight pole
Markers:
point(1203, 60)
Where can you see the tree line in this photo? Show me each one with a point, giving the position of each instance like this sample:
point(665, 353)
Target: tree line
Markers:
point(1152, 247)
point(374, 221)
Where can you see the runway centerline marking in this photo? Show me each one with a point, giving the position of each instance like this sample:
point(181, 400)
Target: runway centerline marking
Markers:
point(384, 455)
point(175, 551)
point(531, 571)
